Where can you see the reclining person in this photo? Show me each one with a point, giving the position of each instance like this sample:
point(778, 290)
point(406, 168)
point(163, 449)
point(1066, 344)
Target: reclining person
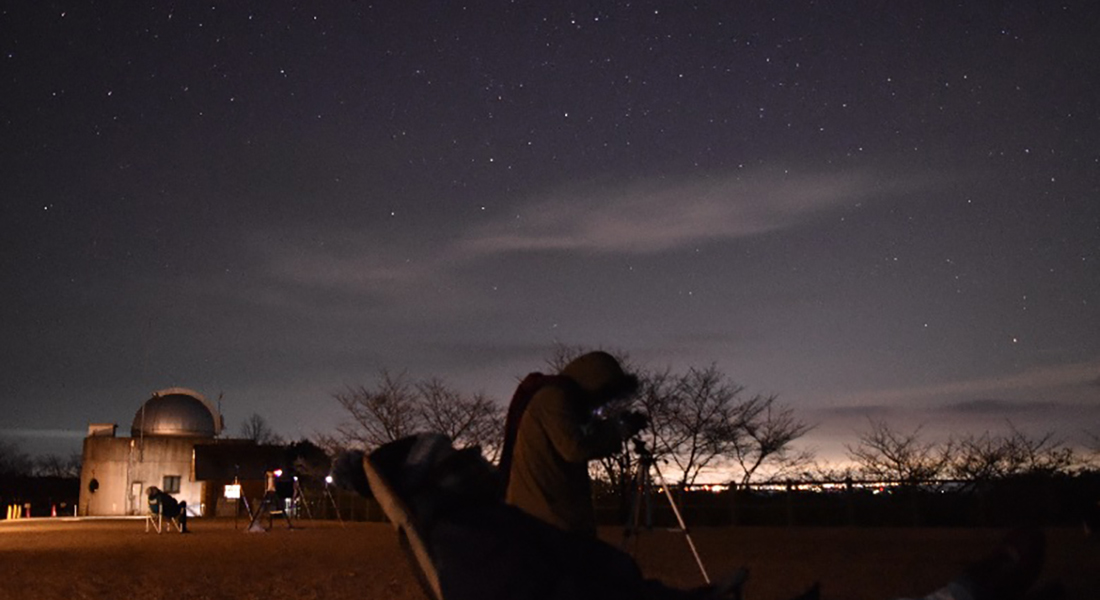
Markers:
point(465, 543)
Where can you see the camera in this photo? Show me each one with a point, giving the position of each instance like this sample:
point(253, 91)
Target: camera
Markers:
point(633, 421)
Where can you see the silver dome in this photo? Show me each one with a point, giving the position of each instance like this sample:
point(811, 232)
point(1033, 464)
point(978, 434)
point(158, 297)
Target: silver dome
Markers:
point(176, 412)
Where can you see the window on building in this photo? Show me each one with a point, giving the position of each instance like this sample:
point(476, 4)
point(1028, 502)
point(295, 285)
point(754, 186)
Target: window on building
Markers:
point(171, 484)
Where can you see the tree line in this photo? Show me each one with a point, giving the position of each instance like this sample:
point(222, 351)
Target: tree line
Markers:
point(905, 457)
point(700, 419)
point(696, 418)
point(16, 463)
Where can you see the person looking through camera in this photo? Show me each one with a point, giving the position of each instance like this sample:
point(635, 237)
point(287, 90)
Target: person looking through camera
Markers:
point(552, 431)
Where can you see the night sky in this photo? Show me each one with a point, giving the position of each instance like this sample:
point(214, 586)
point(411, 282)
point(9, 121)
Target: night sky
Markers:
point(874, 210)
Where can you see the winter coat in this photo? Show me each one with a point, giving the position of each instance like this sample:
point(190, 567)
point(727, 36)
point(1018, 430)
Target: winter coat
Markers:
point(557, 436)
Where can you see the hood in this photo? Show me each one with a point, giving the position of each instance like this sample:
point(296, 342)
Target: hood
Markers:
point(601, 376)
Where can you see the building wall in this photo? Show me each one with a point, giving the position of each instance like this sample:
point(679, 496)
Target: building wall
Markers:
point(125, 467)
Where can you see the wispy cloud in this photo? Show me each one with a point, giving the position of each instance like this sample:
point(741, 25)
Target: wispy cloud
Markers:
point(42, 433)
point(363, 269)
point(641, 217)
point(338, 258)
point(649, 217)
point(870, 411)
point(1040, 379)
point(964, 417)
point(350, 268)
point(996, 407)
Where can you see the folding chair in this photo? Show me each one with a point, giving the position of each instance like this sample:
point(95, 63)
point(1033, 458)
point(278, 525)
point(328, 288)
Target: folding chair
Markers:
point(159, 503)
point(387, 469)
point(156, 520)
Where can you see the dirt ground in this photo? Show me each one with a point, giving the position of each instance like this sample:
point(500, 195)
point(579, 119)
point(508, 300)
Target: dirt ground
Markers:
point(46, 559)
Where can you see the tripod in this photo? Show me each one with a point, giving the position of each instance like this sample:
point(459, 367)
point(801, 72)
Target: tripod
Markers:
point(642, 486)
point(299, 499)
point(328, 492)
point(273, 503)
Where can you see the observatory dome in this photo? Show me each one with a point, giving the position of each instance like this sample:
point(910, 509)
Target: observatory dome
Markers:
point(177, 412)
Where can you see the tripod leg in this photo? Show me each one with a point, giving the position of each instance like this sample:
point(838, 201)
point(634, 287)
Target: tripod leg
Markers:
point(254, 517)
point(300, 497)
point(683, 527)
point(633, 519)
point(334, 506)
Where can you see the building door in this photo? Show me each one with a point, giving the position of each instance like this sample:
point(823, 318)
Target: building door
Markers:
point(137, 498)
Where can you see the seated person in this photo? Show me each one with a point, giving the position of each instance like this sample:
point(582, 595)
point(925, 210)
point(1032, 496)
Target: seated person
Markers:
point(552, 433)
point(161, 503)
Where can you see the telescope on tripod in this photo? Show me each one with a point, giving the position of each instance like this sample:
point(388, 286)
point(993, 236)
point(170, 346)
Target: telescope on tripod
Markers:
point(642, 487)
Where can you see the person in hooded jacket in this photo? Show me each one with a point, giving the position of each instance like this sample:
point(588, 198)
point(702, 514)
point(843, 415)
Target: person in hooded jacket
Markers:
point(552, 433)
point(165, 505)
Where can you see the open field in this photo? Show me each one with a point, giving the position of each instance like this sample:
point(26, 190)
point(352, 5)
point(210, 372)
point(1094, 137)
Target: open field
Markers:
point(46, 559)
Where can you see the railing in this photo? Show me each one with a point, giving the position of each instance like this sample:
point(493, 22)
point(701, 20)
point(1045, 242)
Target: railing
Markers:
point(1040, 500)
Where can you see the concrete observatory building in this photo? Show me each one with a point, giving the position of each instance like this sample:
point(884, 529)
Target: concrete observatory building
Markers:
point(160, 451)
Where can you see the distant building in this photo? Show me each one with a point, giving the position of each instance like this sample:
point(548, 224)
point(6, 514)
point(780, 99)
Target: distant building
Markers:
point(174, 446)
point(159, 452)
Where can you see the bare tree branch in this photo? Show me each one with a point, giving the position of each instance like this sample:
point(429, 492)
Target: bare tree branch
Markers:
point(397, 408)
point(380, 415)
point(988, 457)
point(688, 416)
point(1093, 450)
point(13, 461)
point(890, 455)
point(257, 429)
point(467, 420)
point(53, 465)
point(761, 432)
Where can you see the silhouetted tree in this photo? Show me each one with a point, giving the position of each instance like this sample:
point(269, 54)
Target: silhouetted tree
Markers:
point(762, 432)
point(310, 461)
point(468, 420)
point(818, 471)
point(1042, 455)
point(397, 408)
point(256, 428)
point(53, 465)
point(690, 418)
point(986, 457)
point(381, 415)
point(13, 461)
point(886, 454)
point(979, 458)
point(655, 390)
point(697, 418)
point(1093, 448)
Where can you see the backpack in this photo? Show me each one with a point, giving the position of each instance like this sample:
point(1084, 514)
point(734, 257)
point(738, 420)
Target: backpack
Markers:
point(520, 399)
